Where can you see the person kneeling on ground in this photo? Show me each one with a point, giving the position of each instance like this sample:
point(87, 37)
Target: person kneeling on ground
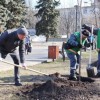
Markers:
point(72, 47)
point(9, 40)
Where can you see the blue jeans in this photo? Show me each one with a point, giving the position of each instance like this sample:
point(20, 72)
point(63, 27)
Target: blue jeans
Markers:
point(98, 66)
point(74, 60)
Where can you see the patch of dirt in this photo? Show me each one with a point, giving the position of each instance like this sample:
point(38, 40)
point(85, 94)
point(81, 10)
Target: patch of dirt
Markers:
point(61, 89)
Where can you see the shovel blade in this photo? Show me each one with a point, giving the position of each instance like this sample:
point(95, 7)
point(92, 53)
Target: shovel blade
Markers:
point(90, 72)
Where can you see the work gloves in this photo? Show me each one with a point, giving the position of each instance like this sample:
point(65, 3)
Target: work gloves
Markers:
point(86, 27)
point(24, 65)
point(98, 50)
point(79, 45)
point(77, 55)
point(1, 59)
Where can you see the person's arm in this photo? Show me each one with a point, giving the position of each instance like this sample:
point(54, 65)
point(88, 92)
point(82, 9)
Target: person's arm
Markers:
point(95, 31)
point(3, 37)
point(73, 41)
point(22, 52)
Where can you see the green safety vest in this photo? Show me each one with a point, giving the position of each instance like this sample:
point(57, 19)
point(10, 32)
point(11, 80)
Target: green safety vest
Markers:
point(76, 49)
point(98, 39)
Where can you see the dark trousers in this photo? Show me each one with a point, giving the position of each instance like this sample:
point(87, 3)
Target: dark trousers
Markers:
point(98, 66)
point(16, 61)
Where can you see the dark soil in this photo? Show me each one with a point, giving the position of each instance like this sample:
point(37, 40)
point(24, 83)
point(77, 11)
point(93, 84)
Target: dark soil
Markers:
point(61, 89)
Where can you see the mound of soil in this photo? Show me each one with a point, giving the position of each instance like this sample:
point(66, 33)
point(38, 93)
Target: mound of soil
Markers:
point(61, 89)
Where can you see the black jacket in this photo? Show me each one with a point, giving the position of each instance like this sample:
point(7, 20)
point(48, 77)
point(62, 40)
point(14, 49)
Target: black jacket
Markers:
point(9, 41)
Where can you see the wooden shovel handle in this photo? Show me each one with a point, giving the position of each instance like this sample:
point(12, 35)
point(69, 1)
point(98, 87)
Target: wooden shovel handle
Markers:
point(72, 51)
point(23, 67)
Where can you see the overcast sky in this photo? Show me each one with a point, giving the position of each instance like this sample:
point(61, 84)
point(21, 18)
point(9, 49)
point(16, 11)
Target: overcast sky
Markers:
point(64, 3)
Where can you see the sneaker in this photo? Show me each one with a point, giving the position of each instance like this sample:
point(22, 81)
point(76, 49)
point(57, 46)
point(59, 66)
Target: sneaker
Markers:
point(18, 84)
point(72, 78)
point(97, 75)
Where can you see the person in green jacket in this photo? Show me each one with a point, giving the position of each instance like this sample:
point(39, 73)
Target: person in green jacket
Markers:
point(72, 47)
point(96, 31)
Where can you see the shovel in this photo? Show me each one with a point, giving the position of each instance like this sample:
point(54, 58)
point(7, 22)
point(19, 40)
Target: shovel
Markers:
point(90, 69)
point(2, 60)
point(52, 76)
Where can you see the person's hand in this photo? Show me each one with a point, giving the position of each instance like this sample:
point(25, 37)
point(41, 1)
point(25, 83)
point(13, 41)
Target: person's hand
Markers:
point(91, 44)
point(24, 66)
point(77, 55)
point(1, 59)
point(98, 50)
point(79, 45)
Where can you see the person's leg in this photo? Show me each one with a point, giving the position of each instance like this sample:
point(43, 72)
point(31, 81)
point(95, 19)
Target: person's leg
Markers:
point(27, 48)
point(16, 69)
point(78, 60)
point(71, 56)
point(3, 54)
point(98, 66)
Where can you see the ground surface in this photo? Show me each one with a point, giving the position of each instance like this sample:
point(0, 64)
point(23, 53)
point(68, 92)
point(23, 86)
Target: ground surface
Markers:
point(38, 87)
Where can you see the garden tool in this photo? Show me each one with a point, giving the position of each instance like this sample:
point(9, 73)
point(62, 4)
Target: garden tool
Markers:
point(55, 75)
point(90, 69)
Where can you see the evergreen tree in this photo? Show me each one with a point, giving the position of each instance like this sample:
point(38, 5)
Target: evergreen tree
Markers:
point(3, 14)
point(12, 13)
point(18, 12)
point(48, 18)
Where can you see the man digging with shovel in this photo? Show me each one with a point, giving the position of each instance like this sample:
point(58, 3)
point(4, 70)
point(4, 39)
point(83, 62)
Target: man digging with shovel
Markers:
point(8, 43)
point(72, 47)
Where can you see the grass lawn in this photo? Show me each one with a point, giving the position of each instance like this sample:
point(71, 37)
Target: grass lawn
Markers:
point(49, 68)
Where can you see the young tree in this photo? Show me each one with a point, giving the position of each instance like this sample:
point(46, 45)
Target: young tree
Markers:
point(48, 18)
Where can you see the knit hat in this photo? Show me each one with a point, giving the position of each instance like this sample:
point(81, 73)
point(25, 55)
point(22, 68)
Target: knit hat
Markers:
point(86, 27)
point(85, 32)
point(22, 31)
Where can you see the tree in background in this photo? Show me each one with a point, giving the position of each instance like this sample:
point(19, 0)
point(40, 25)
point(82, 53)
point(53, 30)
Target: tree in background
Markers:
point(31, 19)
point(12, 13)
point(47, 25)
point(4, 12)
point(67, 22)
point(18, 11)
